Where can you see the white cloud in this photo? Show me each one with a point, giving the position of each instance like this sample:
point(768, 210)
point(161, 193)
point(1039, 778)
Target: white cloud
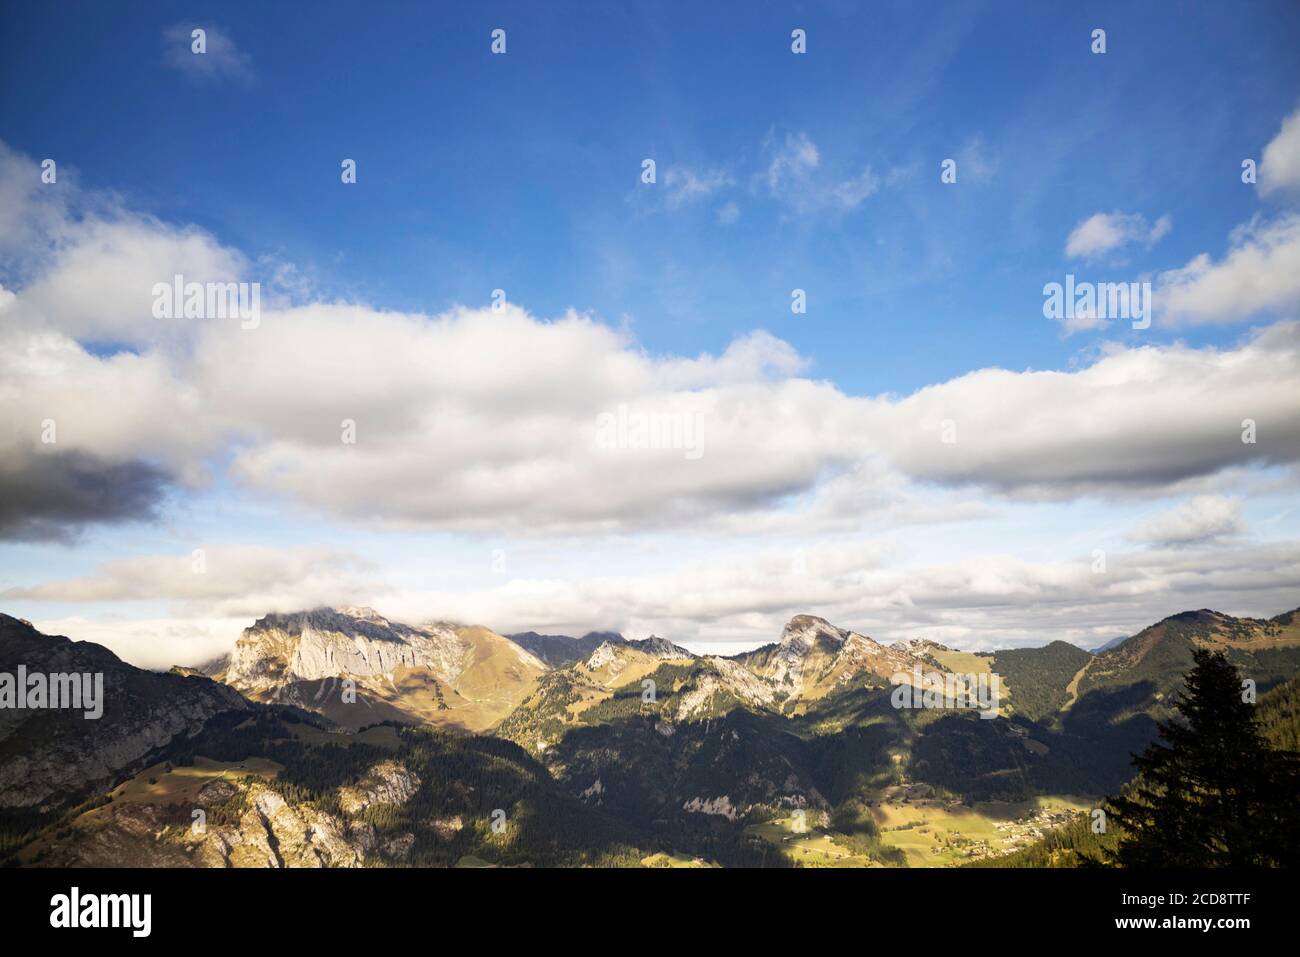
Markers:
point(155, 643)
point(1103, 233)
point(792, 176)
point(849, 193)
point(1259, 274)
point(981, 601)
point(1135, 421)
point(443, 442)
point(224, 581)
point(1199, 519)
point(1279, 166)
point(985, 601)
point(684, 185)
point(791, 162)
point(100, 283)
point(220, 60)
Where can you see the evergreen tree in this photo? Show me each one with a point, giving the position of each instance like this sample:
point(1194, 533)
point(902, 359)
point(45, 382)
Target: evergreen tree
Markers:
point(1214, 794)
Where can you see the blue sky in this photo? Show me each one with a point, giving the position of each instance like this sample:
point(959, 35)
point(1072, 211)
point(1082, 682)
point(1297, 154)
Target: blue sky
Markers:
point(521, 172)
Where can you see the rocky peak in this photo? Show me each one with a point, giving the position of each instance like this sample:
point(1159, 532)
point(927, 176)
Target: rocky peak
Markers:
point(803, 633)
point(814, 655)
point(919, 646)
point(363, 612)
point(659, 648)
point(326, 643)
point(610, 652)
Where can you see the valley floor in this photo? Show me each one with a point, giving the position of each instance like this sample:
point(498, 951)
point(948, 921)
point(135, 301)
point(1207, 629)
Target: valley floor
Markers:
point(929, 831)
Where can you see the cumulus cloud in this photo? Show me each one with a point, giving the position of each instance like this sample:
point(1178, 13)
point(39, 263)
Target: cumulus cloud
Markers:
point(1199, 519)
point(1135, 421)
point(439, 442)
point(1259, 274)
point(221, 59)
point(1103, 233)
point(53, 496)
point(99, 286)
point(445, 440)
point(89, 437)
point(1279, 166)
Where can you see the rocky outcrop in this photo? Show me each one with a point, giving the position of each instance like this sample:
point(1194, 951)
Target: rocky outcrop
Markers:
point(919, 646)
point(657, 647)
point(434, 673)
point(613, 652)
point(327, 643)
point(270, 831)
point(719, 806)
point(814, 656)
point(388, 782)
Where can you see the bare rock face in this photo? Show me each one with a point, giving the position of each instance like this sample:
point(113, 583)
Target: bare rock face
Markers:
point(388, 782)
point(51, 754)
point(325, 643)
point(744, 684)
point(616, 654)
point(813, 656)
point(657, 647)
point(284, 835)
point(271, 832)
point(804, 638)
point(434, 673)
point(919, 646)
point(720, 806)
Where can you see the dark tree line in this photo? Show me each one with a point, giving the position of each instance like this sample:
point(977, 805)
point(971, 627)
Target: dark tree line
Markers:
point(1212, 792)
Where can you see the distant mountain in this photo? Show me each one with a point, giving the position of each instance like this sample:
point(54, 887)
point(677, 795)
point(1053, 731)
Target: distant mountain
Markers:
point(48, 754)
point(637, 752)
point(1156, 658)
point(652, 647)
point(1110, 644)
point(658, 733)
point(808, 722)
point(919, 646)
point(1040, 681)
point(436, 673)
point(814, 657)
point(560, 651)
point(208, 669)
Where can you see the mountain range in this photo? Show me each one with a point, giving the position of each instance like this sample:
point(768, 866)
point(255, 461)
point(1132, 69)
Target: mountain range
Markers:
point(334, 737)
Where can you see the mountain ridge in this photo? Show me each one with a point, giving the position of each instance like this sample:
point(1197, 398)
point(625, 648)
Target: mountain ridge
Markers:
point(671, 753)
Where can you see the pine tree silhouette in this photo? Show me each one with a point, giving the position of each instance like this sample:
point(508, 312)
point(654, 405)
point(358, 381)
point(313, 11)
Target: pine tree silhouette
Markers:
point(1214, 794)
